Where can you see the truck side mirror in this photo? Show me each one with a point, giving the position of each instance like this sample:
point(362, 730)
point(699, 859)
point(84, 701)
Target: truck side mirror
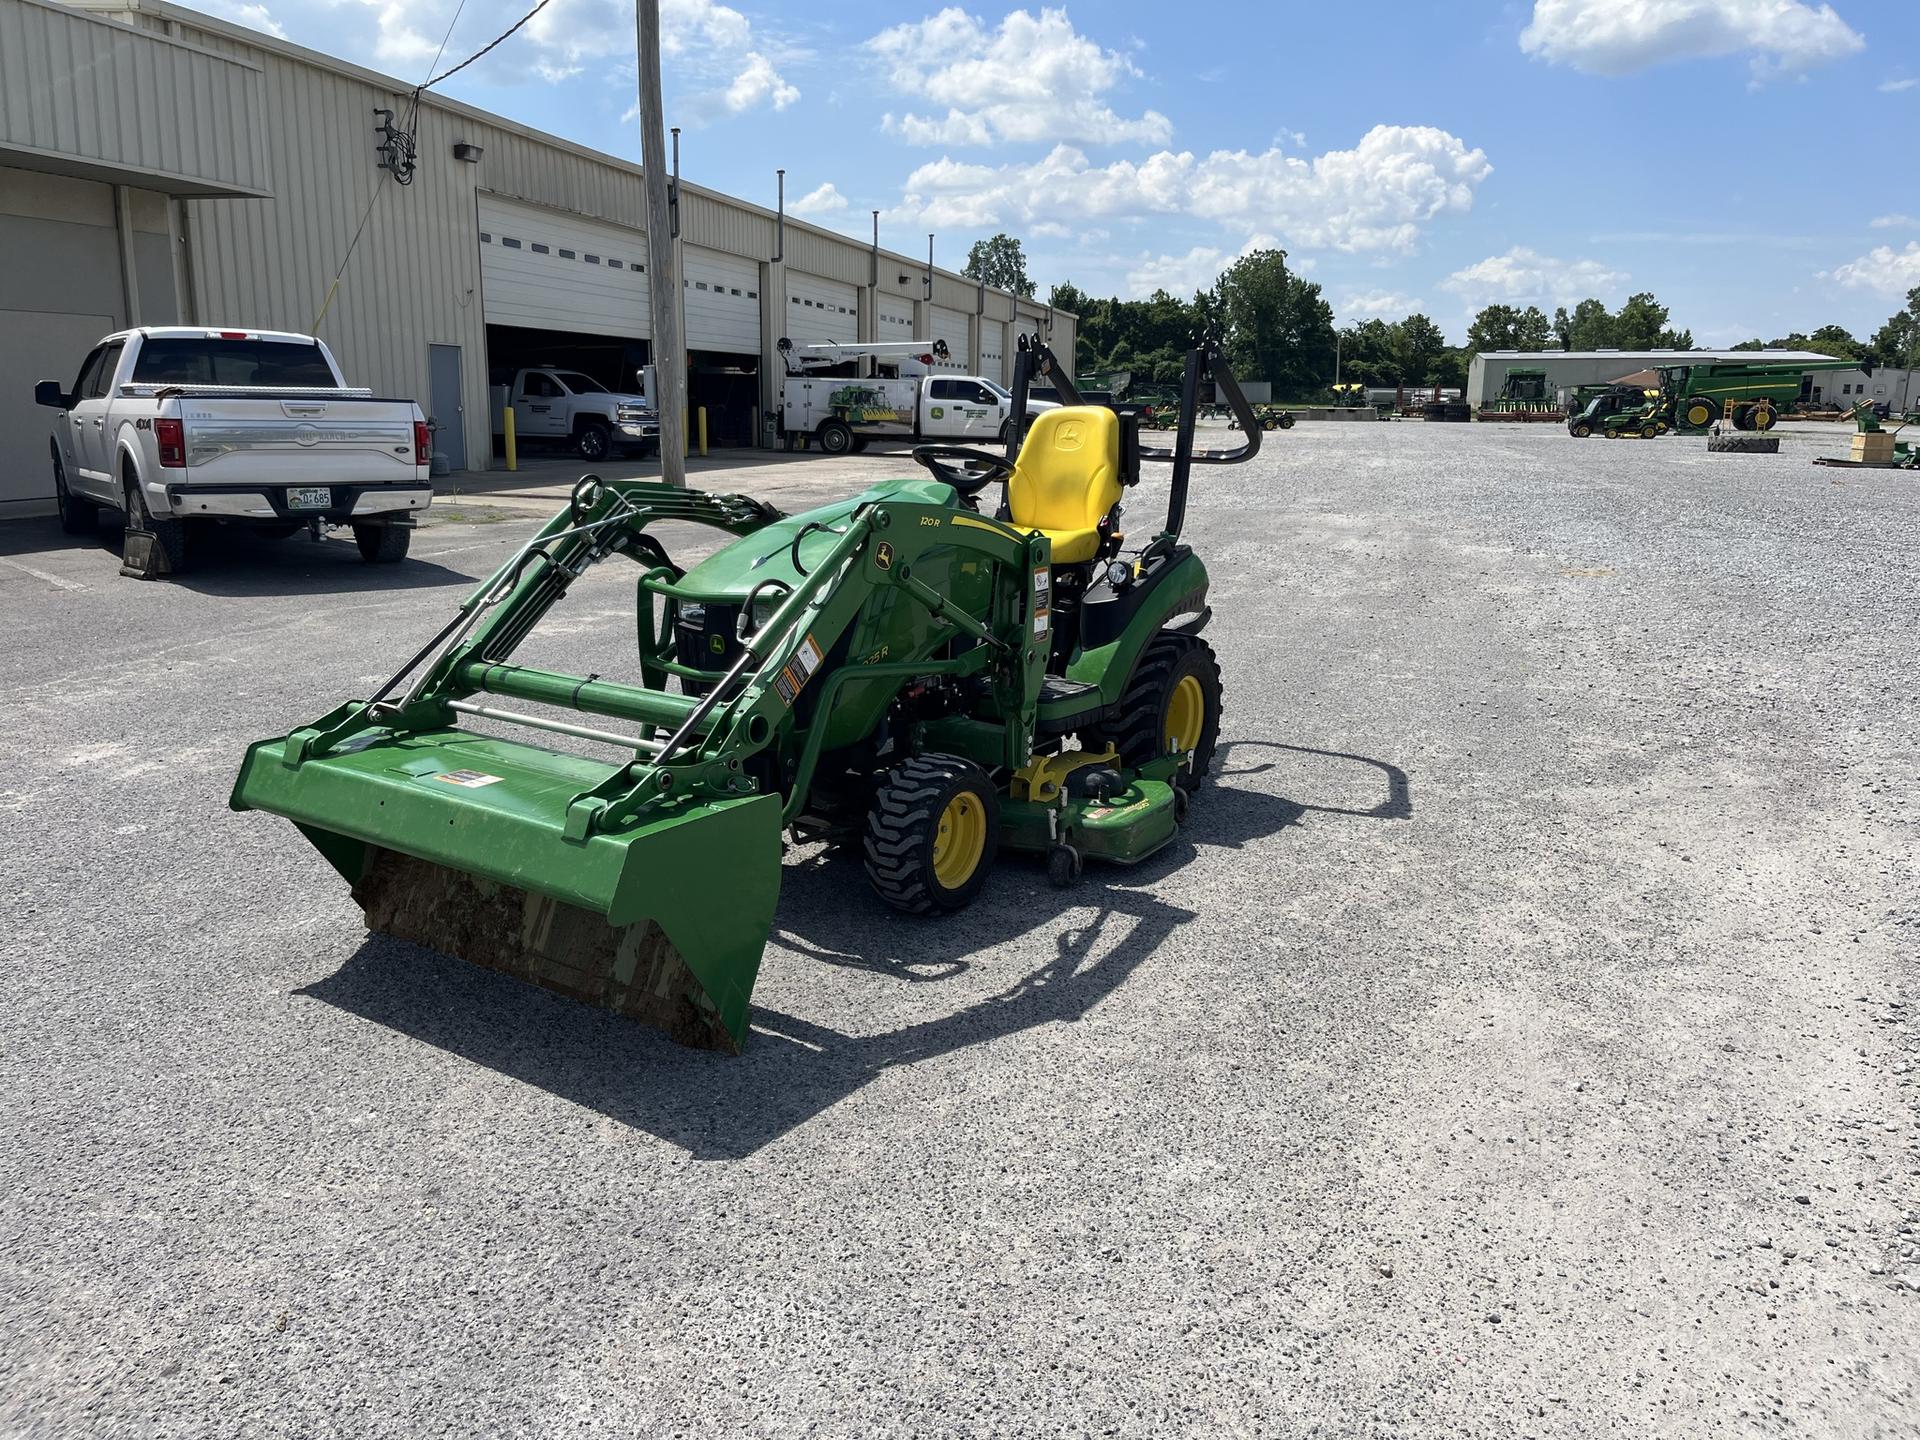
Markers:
point(48, 392)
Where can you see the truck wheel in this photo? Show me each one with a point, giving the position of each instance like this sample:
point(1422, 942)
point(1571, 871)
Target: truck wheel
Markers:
point(382, 544)
point(1762, 416)
point(932, 834)
point(77, 517)
point(836, 437)
point(1697, 412)
point(859, 444)
point(592, 441)
point(168, 537)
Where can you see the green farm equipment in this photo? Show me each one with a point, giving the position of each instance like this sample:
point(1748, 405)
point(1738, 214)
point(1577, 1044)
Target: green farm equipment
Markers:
point(1524, 396)
point(1268, 417)
point(1622, 410)
point(900, 668)
point(1749, 395)
point(1874, 446)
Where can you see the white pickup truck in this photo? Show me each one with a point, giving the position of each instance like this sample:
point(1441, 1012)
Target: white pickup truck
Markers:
point(550, 403)
point(843, 414)
point(178, 425)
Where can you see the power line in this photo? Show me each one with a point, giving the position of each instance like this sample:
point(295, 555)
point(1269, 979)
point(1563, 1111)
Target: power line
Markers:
point(488, 46)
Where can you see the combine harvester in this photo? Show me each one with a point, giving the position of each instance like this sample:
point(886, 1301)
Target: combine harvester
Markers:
point(1693, 398)
point(899, 666)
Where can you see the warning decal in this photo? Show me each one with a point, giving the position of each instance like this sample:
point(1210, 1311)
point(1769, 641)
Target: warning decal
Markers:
point(470, 779)
point(797, 671)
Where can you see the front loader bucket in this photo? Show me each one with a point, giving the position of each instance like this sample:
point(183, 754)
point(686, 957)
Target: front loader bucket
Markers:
point(455, 840)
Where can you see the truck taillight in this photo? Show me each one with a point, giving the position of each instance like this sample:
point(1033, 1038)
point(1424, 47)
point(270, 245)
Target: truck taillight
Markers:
point(422, 443)
point(172, 438)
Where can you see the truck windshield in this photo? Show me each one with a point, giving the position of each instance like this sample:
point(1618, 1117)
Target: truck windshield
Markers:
point(1000, 390)
point(201, 360)
point(581, 384)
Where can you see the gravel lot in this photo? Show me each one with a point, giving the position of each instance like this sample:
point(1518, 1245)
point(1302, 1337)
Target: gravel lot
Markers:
point(1521, 1042)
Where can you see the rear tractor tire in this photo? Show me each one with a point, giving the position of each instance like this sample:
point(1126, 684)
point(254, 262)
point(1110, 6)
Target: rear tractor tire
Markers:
point(932, 834)
point(383, 544)
point(1743, 417)
point(1171, 703)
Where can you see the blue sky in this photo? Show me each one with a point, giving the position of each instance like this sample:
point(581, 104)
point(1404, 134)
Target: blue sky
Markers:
point(1407, 157)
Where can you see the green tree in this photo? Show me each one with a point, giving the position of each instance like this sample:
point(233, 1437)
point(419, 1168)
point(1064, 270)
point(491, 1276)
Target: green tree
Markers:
point(1535, 330)
point(1496, 327)
point(1366, 353)
point(1563, 328)
point(1418, 348)
point(1591, 327)
point(1640, 323)
point(1898, 341)
point(999, 261)
point(1279, 327)
point(1835, 340)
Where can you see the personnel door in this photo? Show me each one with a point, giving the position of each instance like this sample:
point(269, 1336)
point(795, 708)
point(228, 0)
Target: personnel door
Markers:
point(540, 411)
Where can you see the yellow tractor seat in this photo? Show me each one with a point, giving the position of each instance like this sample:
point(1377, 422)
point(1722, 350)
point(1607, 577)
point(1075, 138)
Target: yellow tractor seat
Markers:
point(1067, 478)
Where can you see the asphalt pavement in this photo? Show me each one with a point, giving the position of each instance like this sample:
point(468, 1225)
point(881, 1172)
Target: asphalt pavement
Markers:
point(1519, 1041)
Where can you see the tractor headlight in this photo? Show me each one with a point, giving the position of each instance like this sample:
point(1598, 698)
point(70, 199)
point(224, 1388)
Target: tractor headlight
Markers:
point(1119, 574)
point(694, 615)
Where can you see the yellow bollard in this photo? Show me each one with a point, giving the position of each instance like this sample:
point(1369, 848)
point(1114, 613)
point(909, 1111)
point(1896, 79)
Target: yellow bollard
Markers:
point(513, 457)
point(703, 431)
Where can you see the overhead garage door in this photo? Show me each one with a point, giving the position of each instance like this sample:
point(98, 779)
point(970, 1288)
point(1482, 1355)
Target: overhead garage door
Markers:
point(951, 326)
point(544, 270)
point(723, 302)
point(895, 317)
point(819, 310)
point(993, 340)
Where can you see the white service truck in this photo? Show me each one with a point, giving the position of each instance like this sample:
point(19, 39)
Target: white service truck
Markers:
point(177, 425)
point(843, 414)
point(565, 407)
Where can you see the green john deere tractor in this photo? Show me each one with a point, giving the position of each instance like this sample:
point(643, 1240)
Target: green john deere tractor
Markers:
point(903, 668)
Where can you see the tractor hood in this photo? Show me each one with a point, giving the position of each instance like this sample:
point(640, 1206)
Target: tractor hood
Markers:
point(769, 553)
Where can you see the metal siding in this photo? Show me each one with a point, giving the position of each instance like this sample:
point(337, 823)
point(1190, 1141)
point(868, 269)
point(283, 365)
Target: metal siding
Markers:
point(113, 119)
point(820, 310)
point(993, 350)
point(847, 261)
point(725, 315)
point(521, 286)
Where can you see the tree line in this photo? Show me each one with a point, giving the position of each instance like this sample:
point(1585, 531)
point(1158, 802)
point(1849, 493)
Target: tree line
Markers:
point(1278, 327)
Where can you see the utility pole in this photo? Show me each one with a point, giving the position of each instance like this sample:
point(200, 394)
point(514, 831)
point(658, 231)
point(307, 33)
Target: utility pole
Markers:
point(663, 291)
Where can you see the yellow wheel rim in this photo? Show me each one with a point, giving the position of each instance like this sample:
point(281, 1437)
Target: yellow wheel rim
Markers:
point(1763, 419)
point(960, 841)
point(1186, 714)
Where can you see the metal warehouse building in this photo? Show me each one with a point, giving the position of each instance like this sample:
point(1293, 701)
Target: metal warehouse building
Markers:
point(160, 166)
point(1567, 368)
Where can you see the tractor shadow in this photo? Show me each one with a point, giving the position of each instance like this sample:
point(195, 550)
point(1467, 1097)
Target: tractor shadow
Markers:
point(795, 1069)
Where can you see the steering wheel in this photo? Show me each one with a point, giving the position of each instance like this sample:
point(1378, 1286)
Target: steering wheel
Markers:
point(969, 471)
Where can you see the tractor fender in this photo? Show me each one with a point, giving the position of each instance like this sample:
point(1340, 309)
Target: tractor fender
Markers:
point(1116, 631)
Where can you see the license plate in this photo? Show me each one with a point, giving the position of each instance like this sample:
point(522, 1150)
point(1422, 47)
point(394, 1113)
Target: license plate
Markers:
point(315, 497)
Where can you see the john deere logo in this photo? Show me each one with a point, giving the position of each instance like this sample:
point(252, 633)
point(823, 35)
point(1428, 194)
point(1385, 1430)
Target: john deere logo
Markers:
point(717, 644)
point(883, 555)
point(1068, 435)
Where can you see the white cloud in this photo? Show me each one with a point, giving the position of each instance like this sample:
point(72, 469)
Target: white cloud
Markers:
point(758, 81)
point(1378, 196)
point(1894, 222)
point(1180, 275)
point(1525, 276)
point(1883, 270)
point(1033, 78)
point(1373, 303)
point(822, 200)
point(1618, 37)
point(254, 17)
point(1894, 87)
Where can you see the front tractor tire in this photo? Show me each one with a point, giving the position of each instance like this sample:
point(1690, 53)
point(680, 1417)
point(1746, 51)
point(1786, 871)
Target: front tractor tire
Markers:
point(1171, 703)
point(932, 834)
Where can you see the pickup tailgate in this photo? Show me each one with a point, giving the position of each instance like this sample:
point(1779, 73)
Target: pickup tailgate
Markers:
point(313, 439)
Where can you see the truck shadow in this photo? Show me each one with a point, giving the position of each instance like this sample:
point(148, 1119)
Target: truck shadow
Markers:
point(795, 1068)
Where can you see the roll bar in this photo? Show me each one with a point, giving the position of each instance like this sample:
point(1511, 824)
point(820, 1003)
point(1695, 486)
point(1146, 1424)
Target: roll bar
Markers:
point(1206, 360)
